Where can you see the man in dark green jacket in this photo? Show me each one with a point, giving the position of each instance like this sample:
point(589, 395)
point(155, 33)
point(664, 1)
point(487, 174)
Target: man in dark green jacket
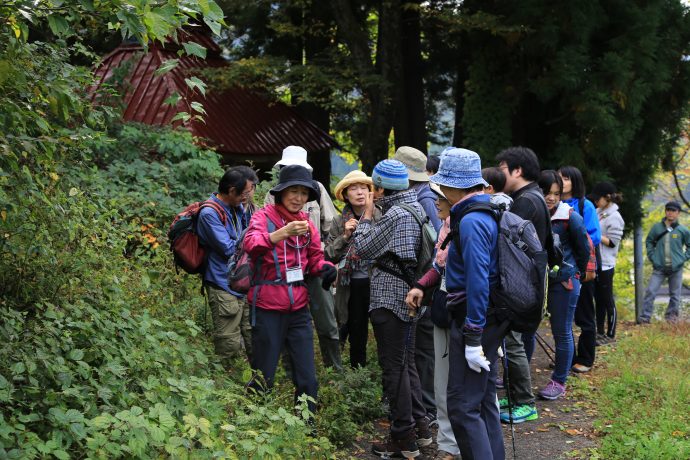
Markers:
point(668, 247)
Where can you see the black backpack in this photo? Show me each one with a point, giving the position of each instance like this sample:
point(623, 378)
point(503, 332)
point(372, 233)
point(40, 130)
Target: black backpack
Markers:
point(520, 296)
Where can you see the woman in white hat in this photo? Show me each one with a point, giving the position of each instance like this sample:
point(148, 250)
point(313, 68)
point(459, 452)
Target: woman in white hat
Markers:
point(352, 292)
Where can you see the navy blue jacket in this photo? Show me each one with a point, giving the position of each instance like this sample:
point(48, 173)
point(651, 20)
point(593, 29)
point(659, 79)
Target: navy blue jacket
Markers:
point(427, 199)
point(220, 241)
point(571, 230)
point(473, 268)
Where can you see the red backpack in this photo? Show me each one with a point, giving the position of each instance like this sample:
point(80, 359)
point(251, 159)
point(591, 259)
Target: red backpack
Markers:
point(184, 240)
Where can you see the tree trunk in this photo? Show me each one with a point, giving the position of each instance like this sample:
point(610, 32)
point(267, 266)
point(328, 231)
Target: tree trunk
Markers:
point(410, 122)
point(380, 80)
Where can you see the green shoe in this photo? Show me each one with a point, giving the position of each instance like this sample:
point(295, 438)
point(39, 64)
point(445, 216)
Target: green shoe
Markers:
point(523, 413)
point(503, 404)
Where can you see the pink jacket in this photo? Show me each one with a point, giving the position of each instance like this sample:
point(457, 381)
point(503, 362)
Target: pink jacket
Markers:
point(281, 297)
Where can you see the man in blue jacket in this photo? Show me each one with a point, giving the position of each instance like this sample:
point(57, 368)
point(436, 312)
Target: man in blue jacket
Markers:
point(471, 272)
point(228, 308)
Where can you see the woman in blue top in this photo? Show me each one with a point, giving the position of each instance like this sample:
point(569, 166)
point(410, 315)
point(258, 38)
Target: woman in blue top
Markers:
point(564, 282)
point(585, 318)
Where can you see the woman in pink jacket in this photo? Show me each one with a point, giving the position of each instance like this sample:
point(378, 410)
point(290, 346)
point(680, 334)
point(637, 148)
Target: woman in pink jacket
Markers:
point(285, 248)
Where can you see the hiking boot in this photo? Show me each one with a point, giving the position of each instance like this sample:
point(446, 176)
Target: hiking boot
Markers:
point(521, 413)
point(553, 390)
point(406, 447)
point(443, 455)
point(581, 368)
point(424, 436)
point(499, 384)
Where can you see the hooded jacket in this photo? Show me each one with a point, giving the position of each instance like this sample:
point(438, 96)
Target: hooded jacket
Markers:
point(427, 199)
point(611, 224)
point(281, 297)
point(590, 217)
point(665, 246)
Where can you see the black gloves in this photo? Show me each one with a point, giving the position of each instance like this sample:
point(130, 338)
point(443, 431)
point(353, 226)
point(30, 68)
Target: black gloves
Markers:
point(328, 275)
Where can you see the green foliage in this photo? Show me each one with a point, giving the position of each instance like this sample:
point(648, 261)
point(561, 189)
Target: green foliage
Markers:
point(643, 401)
point(600, 85)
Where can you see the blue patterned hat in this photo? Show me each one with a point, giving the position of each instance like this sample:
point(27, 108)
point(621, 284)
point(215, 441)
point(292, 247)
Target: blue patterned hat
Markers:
point(459, 168)
point(390, 175)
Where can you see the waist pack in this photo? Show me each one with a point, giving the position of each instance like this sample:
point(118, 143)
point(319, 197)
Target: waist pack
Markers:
point(187, 250)
point(520, 295)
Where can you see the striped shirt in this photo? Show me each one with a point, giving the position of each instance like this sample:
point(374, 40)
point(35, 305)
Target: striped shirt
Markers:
point(396, 233)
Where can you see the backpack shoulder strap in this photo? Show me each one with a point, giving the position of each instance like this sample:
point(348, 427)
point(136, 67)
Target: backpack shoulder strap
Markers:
point(488, 207)
point(218, 208)
point(414, 213)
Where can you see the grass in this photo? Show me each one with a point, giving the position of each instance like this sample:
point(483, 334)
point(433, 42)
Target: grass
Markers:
point(643, 400)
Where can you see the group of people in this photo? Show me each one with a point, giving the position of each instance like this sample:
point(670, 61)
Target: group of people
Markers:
point(437, 337)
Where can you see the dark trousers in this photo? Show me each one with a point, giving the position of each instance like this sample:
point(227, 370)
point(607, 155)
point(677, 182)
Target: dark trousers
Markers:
point(424, 360)
point(293, 330)
point(358, 321)
point(472, 407)
point(606, 305)
point(395, 343)
point(585, 320)
point(519, 375)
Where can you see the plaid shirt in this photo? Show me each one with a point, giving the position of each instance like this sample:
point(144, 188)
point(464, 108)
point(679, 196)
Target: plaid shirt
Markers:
point(398, 233)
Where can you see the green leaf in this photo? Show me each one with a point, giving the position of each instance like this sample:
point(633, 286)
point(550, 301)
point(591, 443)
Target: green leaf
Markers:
point(184, 116)
point(166, 66)
point(194, 83)
point(76, 354)
point(195, 49)
point(58, 25)
point(198, 107)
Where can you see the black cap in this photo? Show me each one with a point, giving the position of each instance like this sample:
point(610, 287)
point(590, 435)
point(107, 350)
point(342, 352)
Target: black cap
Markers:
point(601, 189)
point(674, 205)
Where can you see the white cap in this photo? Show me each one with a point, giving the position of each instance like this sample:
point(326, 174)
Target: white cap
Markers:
point(294, 155)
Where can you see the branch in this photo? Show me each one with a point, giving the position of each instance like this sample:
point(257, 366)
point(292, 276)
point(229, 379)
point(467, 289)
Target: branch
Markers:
point(680, 192)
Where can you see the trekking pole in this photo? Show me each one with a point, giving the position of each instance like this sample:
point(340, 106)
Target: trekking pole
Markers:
point(546, 347)
point(506, 374)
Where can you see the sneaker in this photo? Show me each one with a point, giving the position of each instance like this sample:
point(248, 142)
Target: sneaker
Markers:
point(553, 390)
point(581, 368)
point(424, 436)
point(499, 384)
point(600, 340)
point(503, 404)
point(406, 448)
point(522, 413)
point(431, 418)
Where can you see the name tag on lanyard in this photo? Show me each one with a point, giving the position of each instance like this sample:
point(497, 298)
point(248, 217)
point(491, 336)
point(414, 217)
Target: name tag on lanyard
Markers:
point(293, 275)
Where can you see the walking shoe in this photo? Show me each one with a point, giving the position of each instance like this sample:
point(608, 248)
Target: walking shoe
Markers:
point(581, 368)
point(503, 404)
point(600, 340)
point(521, 413)
point(406, 448)
point(552, 390)
point(499, 383)
point(424, 436)
point(432, 419)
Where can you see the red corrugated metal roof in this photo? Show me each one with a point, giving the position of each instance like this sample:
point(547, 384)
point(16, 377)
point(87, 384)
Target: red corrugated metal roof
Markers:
point(238, 121)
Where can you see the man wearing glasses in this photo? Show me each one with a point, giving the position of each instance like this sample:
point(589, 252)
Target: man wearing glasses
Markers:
point(219, 235)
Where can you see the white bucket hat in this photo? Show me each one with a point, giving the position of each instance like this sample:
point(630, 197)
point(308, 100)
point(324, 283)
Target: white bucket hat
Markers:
point(294, 155)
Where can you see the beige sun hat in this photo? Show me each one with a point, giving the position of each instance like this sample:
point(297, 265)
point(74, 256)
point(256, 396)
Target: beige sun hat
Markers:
point(414, 161)
point(437, 190)
point(353, 177)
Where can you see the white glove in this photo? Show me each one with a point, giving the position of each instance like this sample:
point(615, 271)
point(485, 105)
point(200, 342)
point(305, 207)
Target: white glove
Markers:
point(500, 352)
point(476, 359)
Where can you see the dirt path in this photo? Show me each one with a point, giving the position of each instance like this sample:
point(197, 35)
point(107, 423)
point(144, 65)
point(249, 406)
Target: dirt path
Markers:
point(563, 426)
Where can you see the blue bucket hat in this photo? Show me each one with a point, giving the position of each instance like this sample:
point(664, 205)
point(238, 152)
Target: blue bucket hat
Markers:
point(459, 168)
point(390, 175)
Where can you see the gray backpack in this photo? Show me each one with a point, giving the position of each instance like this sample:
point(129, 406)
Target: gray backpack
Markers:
point(520, 296)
